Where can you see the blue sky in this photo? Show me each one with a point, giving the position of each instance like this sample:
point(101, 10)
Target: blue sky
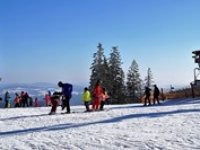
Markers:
point(52, 40)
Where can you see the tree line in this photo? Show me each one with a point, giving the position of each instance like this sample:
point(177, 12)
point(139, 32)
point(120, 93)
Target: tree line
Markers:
point(109, 71)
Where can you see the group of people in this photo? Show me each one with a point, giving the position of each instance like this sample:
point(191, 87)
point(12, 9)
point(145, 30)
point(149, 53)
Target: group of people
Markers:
point(156, 94)
point(97, 97)
point(20, 100)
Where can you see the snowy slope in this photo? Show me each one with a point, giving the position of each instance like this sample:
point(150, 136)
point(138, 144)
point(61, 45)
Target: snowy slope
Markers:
point(174, 125)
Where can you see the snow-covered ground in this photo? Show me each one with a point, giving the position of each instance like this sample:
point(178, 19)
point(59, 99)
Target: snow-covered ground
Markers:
point(173, 125)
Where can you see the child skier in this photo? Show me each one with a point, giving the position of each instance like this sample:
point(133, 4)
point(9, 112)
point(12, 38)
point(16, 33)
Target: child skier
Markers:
point(86, 97)
point(54, 101)
point(103, 98)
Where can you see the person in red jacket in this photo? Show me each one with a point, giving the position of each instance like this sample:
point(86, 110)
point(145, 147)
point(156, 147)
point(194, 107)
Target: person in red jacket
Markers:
point(47, 99)
point(97, 93)
point(54, 100)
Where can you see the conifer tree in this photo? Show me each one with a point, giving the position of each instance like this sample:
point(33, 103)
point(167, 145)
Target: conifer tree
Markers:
point(106, 75)
point(149, 78)
point(116, 75)
point(97, 68)
point(134, 82)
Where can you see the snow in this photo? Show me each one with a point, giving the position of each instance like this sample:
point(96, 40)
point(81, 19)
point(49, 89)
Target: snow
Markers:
point(172, 125)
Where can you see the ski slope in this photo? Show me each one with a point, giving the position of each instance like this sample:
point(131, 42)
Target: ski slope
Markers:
point(172, 125)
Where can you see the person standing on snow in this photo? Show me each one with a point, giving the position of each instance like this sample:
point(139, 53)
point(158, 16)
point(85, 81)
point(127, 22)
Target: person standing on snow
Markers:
point(156, 95)
point(24, 99)
point(147, 97)
point(36, 103)
point(17, 100)
point(47, 99)
point(30, 101)
point(104, 98)
point(67, 94)
point(97, 93)
point(7, 100)
point(26, 96)
point(86, 97)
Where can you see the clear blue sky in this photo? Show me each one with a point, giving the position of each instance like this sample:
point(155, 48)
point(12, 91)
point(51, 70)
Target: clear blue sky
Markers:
point(52, 40)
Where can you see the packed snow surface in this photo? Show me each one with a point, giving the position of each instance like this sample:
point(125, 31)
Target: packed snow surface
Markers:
point(173, 125)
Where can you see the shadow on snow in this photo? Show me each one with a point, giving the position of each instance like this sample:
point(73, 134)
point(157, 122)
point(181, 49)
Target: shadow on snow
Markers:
point(163, 103)
point(112, 120)
point(19, 117)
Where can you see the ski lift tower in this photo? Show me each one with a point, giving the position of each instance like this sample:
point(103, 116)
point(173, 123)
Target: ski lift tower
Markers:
point(196, 57)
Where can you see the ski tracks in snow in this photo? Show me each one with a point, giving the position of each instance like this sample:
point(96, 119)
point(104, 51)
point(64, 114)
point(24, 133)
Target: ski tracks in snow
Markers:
point(170, 126)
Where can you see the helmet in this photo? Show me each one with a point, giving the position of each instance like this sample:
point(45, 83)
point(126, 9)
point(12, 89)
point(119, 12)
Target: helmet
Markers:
point(60, 84)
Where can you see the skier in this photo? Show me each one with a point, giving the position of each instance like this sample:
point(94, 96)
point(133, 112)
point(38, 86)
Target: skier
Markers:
point(156, 95)
point(54, 101)
point(147, 97)
point(24, 99)
point(17, 100)
point(30, 101)
point(97, 92)
point(86, 97)
point(67, 94)
point(47, 99)
point(104, 98)
point(7, 100)
point(25, 102)
point(36, 102)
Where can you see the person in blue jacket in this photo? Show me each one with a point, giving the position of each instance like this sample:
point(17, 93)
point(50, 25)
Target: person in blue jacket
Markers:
point(67, 94)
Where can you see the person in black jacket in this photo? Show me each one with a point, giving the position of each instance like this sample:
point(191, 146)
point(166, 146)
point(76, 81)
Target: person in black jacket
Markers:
point(147, 96)
point(156, 95)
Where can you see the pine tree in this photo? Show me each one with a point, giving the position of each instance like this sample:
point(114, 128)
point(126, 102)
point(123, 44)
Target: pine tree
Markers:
point(149, 78)
point(100, 69)
point(116, 75)
point(134, 82)
point(106, 75)
point(97, 68)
